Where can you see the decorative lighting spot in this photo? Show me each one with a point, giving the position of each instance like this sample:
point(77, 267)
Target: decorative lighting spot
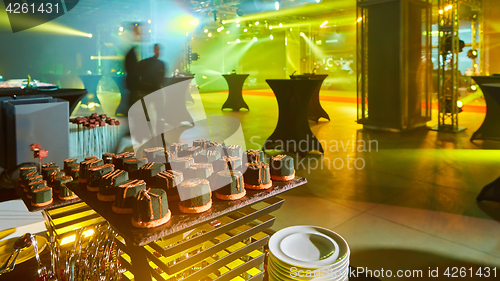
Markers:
point(441, 12)
point(238, 25)
point(121, 28)
point(149, 21)
point(89, 35)
point(205, 30)
point(473, 87)
point(475, 65)
point(237, 20)
point(359, 19)
point(204, 77)
point(256, 23)
point(270, 27)
point(227, 32)
point(280, 25)
point(317, 1)
point(91, 104)
point(323, 24)
point(210, 35)
point(254, 39)
point(302, 34)
point(228, 43)
point(245, 30)
point(449, 7)
point(277, 5)
point(150, 32)
point(194, 22)
point(250, 24)
point(460, 104)
point(271, 37)
point(222, 28)
point(238, 40)
point(223, 22)
point(290, 29)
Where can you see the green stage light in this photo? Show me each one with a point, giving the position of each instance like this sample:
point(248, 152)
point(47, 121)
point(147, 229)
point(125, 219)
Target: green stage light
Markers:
point(227, 32)
point(256, 23)
point(223, 22)
point(245, 30)
point(280, 25)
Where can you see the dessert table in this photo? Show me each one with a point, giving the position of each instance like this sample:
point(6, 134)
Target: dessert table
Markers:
point(293, 98)
point(90, 82)
point(316, 111)
point(124, 92)
point(235, 99)
point(490, 129)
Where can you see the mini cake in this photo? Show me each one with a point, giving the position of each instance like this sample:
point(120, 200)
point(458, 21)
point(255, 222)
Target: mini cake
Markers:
point(232, 187)
point(41, 196)
point(208, 156)
point(254, 156)
point(119, 159)
point(197, 195)
point(64, 192)
point(191, 152)
point(227, 163)
point(125, 196)
point(200, 171)
point(282, 168)
point(150, 170)
point(133, 167)
point(85, 166)
point(34, 185)
point(216, 146)
point(182, 163)
point(47, 171)
point(69, 163)
point(108, 157)
point(26, 173)
point(49, 164)
point(168, 181)
point(95, 175)
point(75, 172)
point(179, 146)
point(31, 180)
point(233, 150)
point(150, 209)
point(53, 176)
point(90, 157)
point(109, 183)
point(258, 176)
point(203, 143)
point(152, 153)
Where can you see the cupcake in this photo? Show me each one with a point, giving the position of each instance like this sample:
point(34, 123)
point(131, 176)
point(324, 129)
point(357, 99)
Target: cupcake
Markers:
point(41, 197)
point(95, 175)
point(107, 157)
point(281, 167)
point(150, 170)
point(109, 183)
point(64, 192)
point(119, 159)
point(133, 167)
point(232, 187)
point(85, 166)
point(258, 176)
point(168, 181)
point(69, 163)
point(150, 208)
point(195, 195)
point(126, 194)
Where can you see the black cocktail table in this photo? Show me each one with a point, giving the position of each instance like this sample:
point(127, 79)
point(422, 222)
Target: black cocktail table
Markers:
point(235, 97)
point(490, 129)
point(293, 129)
point(167, 81)
point(124, 92)
point(90, 83)
point(316, 111)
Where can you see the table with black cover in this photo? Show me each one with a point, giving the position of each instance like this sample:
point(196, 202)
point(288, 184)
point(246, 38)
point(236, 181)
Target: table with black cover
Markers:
point(490, 129)
point(90, 82)
point(167, 81)
point(316, 111)
point(235, 97)
point(293, 129)
point(73, 96)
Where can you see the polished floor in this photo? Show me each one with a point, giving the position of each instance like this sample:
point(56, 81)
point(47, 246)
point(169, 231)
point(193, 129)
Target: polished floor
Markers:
point(410, 203)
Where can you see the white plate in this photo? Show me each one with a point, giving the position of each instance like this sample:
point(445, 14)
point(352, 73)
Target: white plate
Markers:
point(288, 267)
point(308, 246)
point(326, 274)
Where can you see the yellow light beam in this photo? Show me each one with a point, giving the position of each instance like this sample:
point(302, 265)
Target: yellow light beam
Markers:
point(48, 27)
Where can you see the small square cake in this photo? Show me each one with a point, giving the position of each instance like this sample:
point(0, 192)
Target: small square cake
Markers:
point(150, 170)
point(178, 146)
point(126, 194)
point(68, 162)
point(257, 176)
point(168, 181)
point(282, 168)
point(64, 192)
point(31, 179)
point(85, 166)
point(25, 173)
point(191, 152)
point(231, 185)
point(152, 153)
point(216, 146)
point(90, 157)
point(207, 156)
point(46, 172)
point(119, 159)
point(203, 143)
point(195, 195)
point(34, 185)
point(254, 156)
point(95, 175)
point(75, 172)
point(53, 176)
point(41, 197)
point(49, 164)
point(133, 167)
point(108, 157)
point(227, 163)
point(200, 170)
point(150, 209)
point(233, 150)
point(109, 183)
point(181, 163)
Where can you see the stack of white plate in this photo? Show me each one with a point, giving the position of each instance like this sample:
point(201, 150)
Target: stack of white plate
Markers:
point(308, 253)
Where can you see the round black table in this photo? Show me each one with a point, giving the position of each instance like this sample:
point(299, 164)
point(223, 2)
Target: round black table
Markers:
point(167, 81)
point(292, 133)
point(124, 92)
point(316, 111)
point(490, 129)
point(235, 97)
point(90, 83)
